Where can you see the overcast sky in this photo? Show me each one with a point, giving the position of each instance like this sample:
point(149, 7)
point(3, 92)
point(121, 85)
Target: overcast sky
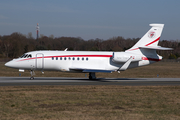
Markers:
point(90, 19)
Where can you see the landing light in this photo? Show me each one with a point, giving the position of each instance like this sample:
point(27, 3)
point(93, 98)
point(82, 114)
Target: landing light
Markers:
point(21, 70)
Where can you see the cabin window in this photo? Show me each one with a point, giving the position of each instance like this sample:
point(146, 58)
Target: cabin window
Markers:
point(77, 58)
point(65, 58)
point(60, 58)
point(56, 58)
point(73, 58)
point(52, 58)
point(86, 58)
point(69, 58)
point(29, 56)
point(82, 58)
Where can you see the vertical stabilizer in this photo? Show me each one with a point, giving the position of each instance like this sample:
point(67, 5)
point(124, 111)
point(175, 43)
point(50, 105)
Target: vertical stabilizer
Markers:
point(150, 39)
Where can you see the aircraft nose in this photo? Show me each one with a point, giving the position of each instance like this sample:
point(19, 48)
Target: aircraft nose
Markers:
point(10, 64)
point(7, 64)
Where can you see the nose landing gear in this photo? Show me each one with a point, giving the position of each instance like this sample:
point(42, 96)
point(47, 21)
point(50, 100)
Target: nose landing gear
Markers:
point(32, 74)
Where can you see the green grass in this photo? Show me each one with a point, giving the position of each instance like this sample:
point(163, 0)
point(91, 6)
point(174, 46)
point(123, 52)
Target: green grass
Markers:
point(160, 69)
point(90, 102)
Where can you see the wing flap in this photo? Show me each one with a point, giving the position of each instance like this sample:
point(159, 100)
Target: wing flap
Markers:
point(91, 70)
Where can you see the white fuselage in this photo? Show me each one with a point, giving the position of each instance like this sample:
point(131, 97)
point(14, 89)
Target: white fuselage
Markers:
point(74, 61)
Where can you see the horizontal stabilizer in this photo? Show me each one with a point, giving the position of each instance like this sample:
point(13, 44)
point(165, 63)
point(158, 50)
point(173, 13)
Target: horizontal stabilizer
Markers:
point(156, 48)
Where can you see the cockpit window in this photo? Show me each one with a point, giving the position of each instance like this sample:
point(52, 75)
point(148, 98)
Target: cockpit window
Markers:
point(26, 56)
point(29, 56)
point(23, 55)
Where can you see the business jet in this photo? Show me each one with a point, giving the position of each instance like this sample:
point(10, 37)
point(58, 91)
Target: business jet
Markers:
point(142, 53)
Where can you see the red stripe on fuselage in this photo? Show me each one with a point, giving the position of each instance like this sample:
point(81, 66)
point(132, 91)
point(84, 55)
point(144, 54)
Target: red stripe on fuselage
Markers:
point(143, 58)
point(151, 59)
point(133, 49)
point(67, 56)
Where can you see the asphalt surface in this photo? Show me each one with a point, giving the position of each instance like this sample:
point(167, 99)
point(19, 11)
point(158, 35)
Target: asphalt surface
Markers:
point(25, 81)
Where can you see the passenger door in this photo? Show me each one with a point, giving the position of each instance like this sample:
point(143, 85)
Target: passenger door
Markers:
point(39, 63)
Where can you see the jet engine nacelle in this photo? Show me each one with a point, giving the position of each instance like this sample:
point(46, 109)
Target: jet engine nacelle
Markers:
point(123, 57)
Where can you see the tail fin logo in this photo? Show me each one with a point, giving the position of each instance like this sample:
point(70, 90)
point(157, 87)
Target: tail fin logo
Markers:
point(151, 34)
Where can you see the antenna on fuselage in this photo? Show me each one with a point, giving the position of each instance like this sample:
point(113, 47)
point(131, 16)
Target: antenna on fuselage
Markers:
point(66, 49)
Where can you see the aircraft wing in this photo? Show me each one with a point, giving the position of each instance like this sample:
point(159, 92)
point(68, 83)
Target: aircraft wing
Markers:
point(91, 70)
point(156, 48)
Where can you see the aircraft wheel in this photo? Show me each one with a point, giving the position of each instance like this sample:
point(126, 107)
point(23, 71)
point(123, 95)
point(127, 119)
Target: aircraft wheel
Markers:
point(92, 76)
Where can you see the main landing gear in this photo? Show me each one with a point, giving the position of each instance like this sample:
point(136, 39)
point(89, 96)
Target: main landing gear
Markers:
point(32, 74)
point(92, 76)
